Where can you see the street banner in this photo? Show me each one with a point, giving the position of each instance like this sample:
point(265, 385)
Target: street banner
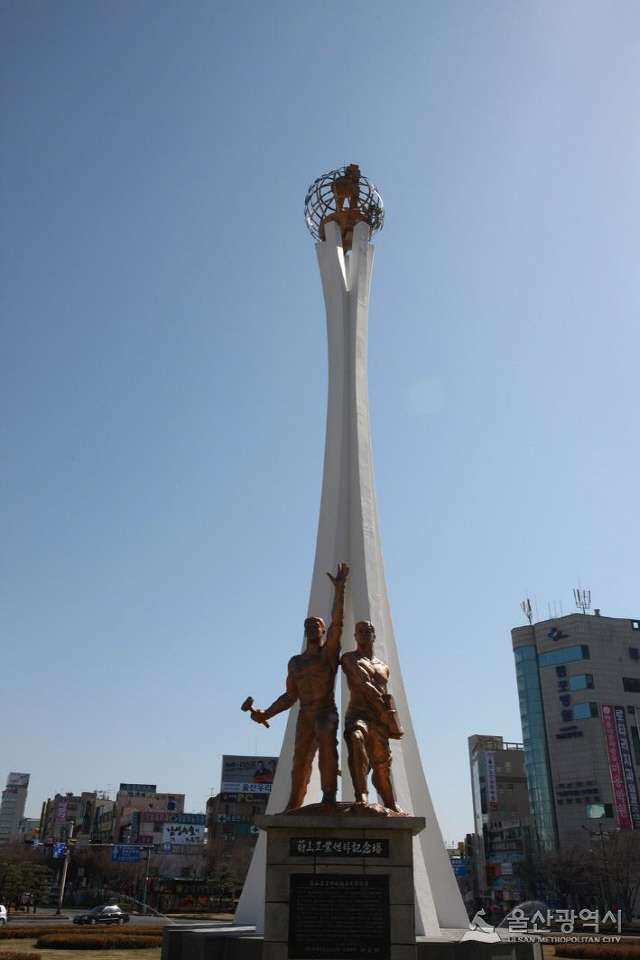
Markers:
point(492, 785)
point(628, 773)
point(621, 804)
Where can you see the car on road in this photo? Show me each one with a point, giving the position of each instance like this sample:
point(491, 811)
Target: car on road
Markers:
point(108, 914)
point(3, 915)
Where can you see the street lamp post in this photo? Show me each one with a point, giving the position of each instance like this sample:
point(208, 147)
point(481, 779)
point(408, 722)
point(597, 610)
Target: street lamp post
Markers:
point(146, 880)
point(65, 866)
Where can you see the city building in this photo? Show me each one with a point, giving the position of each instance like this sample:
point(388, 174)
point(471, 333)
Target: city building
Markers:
point(245, 788)
point(104, 820)
point(64, 810)
point(579, 688)
point(136, 808)
point(14, 798)
point(29, 829)
point(500, 853)
point(231, 816)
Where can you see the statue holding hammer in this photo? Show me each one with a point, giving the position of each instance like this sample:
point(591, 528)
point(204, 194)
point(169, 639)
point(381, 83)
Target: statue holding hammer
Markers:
point(311, 679)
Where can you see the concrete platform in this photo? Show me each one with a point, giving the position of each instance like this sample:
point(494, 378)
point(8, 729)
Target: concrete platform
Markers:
point(241, 943)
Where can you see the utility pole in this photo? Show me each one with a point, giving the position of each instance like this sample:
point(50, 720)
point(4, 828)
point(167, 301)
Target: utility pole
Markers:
point(146, 880)
point(65, 865)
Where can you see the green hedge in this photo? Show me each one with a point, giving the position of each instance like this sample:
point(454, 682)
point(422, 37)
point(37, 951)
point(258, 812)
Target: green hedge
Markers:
point(97, 941)
point(9, 932)
point(626, 950)
point(17, 955)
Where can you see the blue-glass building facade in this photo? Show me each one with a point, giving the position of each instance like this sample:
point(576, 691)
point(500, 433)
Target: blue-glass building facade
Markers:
point(579, 692)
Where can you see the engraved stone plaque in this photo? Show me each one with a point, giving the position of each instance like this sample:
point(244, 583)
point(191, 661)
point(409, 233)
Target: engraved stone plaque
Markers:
point(335, 847)
point(339, 916)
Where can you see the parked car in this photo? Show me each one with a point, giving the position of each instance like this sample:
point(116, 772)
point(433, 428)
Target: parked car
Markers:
point(3, 915)
point(108, 914)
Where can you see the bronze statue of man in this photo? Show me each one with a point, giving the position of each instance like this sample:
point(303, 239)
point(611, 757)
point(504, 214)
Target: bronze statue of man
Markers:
point(311, 679)
point(371, 719)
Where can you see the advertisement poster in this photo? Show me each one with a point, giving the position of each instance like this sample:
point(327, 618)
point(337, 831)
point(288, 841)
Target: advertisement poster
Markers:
point(247, 774)
point(628, 773)
point(182, 833)
point(623, 814)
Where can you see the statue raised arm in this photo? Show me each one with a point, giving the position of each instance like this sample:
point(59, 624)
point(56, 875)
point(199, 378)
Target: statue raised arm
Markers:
point(311, 680)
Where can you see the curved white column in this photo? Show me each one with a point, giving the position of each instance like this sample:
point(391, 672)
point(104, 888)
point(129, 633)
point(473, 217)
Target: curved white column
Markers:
point(348, 530)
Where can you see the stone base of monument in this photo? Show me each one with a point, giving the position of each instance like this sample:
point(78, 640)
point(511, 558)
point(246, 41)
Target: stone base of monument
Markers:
point(338, 887)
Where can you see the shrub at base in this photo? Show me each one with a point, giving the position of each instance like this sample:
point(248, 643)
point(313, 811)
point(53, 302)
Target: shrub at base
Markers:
point(597, 951)
point(18, 955)
point(59, 941)
point(30, 933)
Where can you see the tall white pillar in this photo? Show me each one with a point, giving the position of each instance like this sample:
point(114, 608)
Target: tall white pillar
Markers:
point(348, 530)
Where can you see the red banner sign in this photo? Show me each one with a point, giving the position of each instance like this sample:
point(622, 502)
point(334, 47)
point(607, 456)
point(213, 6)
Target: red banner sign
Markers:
point(621, 803)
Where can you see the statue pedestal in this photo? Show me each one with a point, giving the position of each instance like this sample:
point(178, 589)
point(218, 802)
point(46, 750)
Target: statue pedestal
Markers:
point(339, 886)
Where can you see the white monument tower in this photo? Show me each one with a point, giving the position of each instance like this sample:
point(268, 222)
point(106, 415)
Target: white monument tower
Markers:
point(343, 209)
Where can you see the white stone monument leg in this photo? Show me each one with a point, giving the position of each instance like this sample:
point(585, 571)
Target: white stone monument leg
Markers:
point(348, 530)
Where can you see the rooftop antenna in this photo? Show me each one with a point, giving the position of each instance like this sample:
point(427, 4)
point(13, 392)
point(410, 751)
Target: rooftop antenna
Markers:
point(526, 609)
point(582, 598)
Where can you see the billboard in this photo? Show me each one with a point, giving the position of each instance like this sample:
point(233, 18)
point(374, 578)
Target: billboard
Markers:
point(138, 788)
point(182, 834)
point(247, 774)
point(18, 779)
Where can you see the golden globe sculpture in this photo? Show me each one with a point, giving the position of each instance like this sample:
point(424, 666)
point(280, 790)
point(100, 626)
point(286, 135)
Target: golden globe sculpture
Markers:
point(346, 197)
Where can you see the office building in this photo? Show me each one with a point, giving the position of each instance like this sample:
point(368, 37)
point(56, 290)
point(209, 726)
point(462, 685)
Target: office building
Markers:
point(500, 861)
point(140, 811)
point(14, 798)
point(579, 688)
point(63, 811)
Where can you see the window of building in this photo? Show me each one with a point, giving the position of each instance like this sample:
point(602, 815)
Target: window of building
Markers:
point(596, 811)
point(631, 684)
point(635, 740)
point(583, 681)
point(634, 653)
point(635, 624)
point(157, 828)
point(507, 766)
point(564, 655)
point(582, 711)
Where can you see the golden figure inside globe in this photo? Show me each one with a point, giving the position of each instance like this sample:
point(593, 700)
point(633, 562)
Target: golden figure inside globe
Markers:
point(347, 187)
point(349, 211)
point(311, 679)
point(371, 719)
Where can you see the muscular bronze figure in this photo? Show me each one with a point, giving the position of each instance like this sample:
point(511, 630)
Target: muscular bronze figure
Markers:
point(371, 719)
point(311, 680)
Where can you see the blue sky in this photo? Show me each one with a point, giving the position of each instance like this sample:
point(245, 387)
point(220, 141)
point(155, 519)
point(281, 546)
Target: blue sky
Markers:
point(164, 360)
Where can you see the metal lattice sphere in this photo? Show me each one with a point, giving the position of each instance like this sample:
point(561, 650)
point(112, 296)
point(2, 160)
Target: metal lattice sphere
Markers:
point(346, 197)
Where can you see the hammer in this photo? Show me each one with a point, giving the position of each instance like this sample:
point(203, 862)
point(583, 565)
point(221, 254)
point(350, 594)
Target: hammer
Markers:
point(248, 706)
